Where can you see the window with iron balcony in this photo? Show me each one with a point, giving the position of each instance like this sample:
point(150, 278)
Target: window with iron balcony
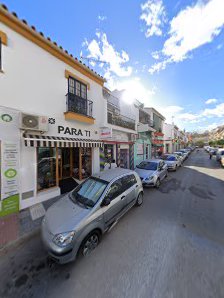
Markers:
point(77, 104)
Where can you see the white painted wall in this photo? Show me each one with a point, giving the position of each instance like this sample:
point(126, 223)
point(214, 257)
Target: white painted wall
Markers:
point(168, 136)
point(34, 82)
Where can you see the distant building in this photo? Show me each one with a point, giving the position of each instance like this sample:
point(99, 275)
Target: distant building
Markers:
point(174, 138)
point(157, 139)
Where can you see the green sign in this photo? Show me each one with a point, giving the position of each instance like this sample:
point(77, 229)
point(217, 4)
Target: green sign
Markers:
point(6, 117)
point(10, 173)
point(9, 202)
point(10, 205)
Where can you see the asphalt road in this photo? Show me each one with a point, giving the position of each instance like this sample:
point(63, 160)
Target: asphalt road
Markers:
point(172, 246)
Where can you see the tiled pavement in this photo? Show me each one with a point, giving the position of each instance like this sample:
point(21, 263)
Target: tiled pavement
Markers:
point(15, 226)
point(9, 228)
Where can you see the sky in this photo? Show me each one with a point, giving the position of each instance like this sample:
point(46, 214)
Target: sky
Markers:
point(168, 54)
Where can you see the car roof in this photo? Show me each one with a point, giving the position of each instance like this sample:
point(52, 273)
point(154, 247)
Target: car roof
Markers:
point(153, 160)
point(111, 174)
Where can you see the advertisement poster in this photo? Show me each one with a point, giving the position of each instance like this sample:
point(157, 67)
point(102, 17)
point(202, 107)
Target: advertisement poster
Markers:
point(9, 177)
point(139, 149)
point(9, 161)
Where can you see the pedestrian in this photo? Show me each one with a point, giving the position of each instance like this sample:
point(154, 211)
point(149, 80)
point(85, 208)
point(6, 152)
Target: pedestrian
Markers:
point(107, 165)
point(113, 164)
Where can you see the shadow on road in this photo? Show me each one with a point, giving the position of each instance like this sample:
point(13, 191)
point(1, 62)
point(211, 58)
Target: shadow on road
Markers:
point(190, 199)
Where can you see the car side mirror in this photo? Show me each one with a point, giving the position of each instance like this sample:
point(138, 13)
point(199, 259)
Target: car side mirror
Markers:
point(105, 202)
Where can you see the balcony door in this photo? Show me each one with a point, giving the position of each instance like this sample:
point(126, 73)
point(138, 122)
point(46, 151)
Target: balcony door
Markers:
point(77, 96)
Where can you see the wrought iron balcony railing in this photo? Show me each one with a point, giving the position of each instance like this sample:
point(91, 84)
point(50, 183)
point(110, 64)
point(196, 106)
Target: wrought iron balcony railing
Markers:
point(121, 120)
point(79, 105)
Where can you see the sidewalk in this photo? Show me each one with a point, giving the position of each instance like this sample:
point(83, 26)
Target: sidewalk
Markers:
point(16, 226)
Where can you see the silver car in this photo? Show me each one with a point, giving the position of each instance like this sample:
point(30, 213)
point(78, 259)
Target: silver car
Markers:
point(152, 172)
point(172, 161)
point(181, 156)
point(185, 153)
point(219, 154)
point(74, 225)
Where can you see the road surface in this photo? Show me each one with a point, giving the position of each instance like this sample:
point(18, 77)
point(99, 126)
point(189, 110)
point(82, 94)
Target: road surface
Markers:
point(172, 246)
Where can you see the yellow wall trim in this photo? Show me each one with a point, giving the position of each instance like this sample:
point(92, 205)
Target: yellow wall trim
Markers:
point(18, 26)
point(78, 117)
point(70, 74)
point(4, 38)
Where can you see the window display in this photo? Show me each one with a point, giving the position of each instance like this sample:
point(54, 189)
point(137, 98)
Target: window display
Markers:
point(46, 168)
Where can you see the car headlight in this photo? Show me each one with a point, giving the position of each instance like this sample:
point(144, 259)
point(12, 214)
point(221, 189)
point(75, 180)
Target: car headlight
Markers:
point(64, 239)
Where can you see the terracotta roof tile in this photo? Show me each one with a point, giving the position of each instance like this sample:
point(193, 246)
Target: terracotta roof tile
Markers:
point(49, 40)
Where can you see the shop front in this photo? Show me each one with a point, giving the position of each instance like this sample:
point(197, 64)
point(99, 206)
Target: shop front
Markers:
point(38, 165)
point(157, 144)
point(142, 147)
point(61, 161)
point(119, 147)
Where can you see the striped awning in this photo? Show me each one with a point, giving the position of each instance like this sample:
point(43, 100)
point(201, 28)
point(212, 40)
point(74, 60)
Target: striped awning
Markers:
point(51, 141)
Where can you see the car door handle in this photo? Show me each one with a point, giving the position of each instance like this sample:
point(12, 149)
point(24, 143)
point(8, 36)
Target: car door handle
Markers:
point(136, 186)
point(122, 197)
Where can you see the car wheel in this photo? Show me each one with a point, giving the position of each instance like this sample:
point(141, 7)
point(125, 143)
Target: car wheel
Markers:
point(157, 183)
point(90, 243)
point(139, 200)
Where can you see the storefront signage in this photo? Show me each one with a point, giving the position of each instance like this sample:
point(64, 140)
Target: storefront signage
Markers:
point(73, 131)
point(9, 202)
point(105, 133)
point(139, 149)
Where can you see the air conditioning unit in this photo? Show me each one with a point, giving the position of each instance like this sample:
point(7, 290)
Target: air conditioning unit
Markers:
point(33, 122)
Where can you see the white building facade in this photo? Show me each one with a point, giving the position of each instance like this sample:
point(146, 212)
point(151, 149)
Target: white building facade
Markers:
point(174, 138)
point(119, 130)
point(50, 116)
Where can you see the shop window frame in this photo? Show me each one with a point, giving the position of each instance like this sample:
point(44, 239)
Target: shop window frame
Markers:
point(56, 171)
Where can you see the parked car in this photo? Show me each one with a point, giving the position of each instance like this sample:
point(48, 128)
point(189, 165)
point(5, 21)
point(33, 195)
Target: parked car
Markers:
point(181, 155)
point(152, 172)
point(185, 154)
point(222, 160)
point(74, 225)
point(172, 161)
point(219, 153)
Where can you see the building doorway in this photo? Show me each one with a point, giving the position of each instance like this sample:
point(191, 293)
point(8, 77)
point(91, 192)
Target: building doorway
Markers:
point(73, 164)
point(124, 158)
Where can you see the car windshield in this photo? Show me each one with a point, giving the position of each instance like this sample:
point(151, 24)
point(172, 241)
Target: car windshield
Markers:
point(89, 192)
point(169, 157)
point(148, 165)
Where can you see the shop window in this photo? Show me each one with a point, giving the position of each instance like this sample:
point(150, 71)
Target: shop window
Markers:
point(86, 162)
point(46, 168)
point(109, 152)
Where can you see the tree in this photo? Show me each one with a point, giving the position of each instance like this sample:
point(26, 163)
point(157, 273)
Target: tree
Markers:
point(199, 143)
